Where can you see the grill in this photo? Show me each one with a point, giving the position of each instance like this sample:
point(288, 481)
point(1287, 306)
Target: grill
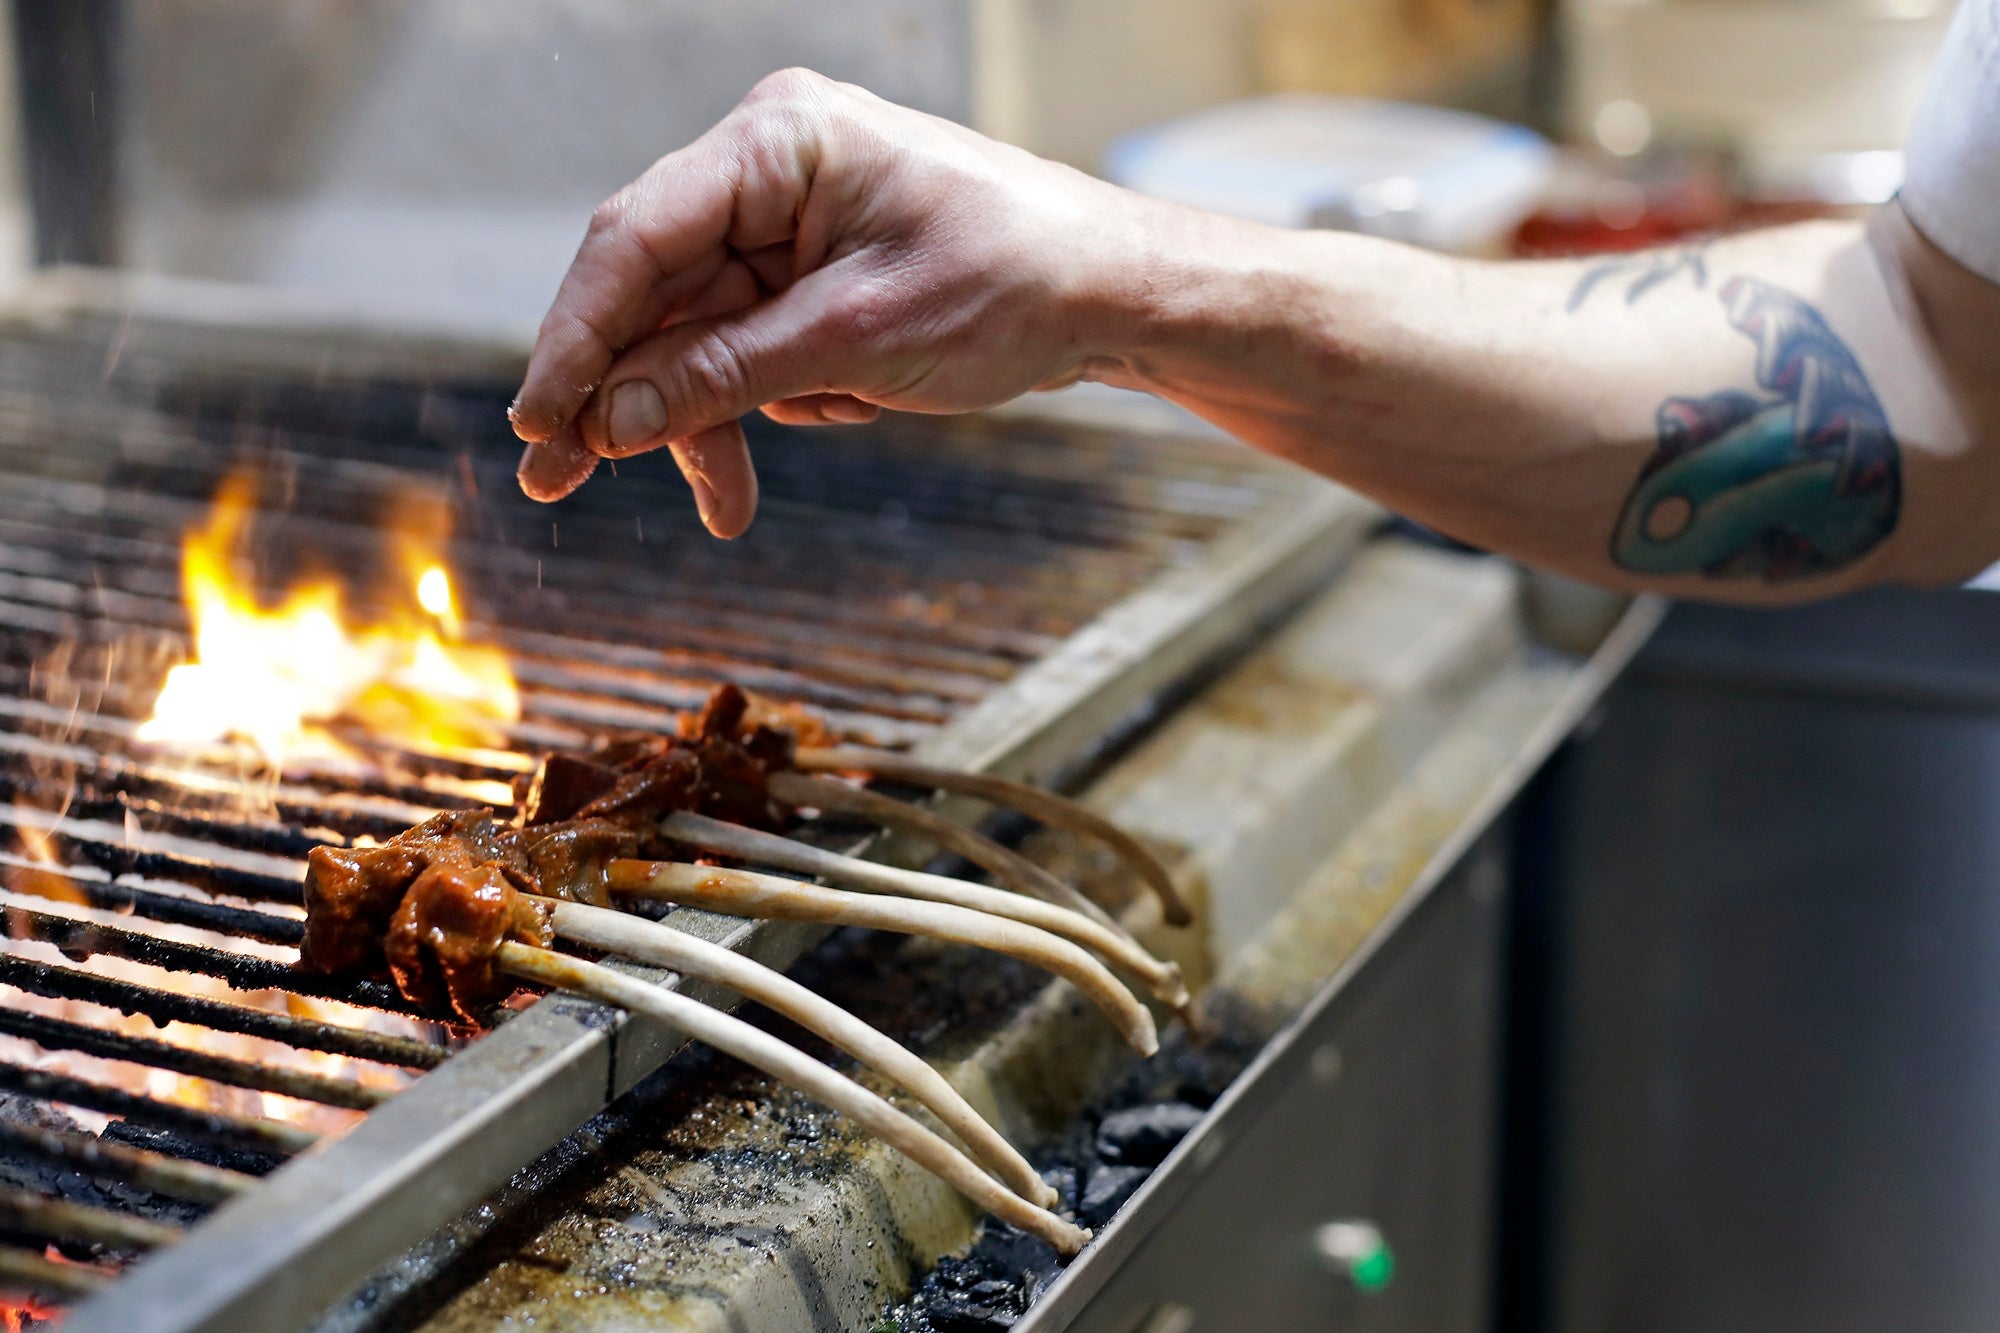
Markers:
point(993, 593)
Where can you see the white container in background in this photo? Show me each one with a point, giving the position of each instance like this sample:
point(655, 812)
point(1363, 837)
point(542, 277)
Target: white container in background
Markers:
point(1449, 180)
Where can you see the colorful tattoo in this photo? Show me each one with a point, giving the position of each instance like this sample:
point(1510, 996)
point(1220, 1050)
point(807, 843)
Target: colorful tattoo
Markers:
point(1646, 270)
point(1776, 488)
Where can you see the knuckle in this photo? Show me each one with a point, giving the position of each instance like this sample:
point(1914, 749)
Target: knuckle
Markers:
point(609, 218)
point(864, 313)
point(710, 378)
point(793, 84)
point(852, 319)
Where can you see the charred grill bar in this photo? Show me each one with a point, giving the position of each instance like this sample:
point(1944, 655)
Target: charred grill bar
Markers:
point(918, 589)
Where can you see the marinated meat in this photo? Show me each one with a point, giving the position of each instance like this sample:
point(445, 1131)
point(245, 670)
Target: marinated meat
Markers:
point(562, 784)
point(441, 943)
point(432, 905)
point(351, 893)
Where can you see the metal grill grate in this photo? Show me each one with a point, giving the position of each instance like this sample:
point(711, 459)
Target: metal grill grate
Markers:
point(923, 584)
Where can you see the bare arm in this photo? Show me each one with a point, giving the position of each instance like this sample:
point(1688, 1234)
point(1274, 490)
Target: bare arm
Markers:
point(1769, 417)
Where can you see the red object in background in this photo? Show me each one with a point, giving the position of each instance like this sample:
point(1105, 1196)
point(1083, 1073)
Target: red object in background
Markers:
point(1600, 204)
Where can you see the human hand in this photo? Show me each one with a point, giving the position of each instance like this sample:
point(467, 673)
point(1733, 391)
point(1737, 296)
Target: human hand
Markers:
point(820, 254)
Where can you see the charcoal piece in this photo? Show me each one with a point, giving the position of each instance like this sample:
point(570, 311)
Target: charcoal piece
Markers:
point(193, 1150)
point(1144, 1135)
point(966, 1314)
point(1012, 1255)
point(1063, 1180)
point(1109, 1188)
point(38, 1175)
point(32, 1114)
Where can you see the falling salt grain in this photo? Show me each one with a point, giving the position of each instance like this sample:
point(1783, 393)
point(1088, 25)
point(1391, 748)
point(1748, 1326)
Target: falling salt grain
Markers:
point(552, 536)
point(538, 573)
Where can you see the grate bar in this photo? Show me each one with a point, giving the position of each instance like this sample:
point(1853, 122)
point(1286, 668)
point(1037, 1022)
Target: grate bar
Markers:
point(304, 805)
point(196, 1182)
point(86, 800)
point(23, 1271)
point(269, 1138)
point(62, 983)
point(168, 908)
point(59, 1034)
point(45, 1218)
point(80, 939)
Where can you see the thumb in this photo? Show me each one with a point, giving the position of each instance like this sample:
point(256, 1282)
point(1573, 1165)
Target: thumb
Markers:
point(693, 377)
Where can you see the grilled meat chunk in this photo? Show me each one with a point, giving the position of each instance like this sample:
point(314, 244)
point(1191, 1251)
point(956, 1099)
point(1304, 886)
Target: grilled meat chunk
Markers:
point(432, 905)
point(441, 943)
point(351, 893)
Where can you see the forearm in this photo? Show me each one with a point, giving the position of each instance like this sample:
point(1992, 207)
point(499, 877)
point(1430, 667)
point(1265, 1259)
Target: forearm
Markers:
point(1772, 417)
point(1612, 421)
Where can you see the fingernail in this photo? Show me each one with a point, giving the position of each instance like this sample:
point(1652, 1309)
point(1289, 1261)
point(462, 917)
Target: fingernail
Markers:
point(521, 431)
point(533, 471)
point(551, 470)
point(637, 414)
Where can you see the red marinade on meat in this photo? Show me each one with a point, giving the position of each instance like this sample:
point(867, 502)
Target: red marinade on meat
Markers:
point(432, 905)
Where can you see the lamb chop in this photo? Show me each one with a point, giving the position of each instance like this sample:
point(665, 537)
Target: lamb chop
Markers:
point(430, 905)
point(461, 908)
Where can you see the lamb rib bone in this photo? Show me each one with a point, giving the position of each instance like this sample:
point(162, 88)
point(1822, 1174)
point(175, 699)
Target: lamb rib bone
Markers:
point(749, 894)
point(1162, 979)
point(761, 1050)
point(1046, 806)
point(665, 946)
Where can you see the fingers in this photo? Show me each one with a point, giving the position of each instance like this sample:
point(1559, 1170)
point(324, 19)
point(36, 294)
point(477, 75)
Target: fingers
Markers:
point(691, 377)
point(664, 240)
point(618, 289)
point(556, 466)
point(734, 286)
point(716, 463)
point(822, 409)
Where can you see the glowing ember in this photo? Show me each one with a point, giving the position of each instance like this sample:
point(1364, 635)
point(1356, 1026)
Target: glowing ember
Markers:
point(272, 675)
point(18, 1313)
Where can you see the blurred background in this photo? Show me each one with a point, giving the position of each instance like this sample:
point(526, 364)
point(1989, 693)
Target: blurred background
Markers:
point(442, 155)
point(1755, 982)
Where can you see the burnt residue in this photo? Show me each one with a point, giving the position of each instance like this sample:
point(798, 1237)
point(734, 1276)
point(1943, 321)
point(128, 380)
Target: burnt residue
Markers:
point(625, 1220)
point(663, 1200)
point(39, 1176)
point(1097, 1164)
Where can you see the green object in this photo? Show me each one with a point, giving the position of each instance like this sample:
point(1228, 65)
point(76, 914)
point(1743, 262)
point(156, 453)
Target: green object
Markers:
point(1372, 1271)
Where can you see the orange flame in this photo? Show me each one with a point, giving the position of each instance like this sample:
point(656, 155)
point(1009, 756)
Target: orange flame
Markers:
point(43, 879)
point(20, 1313)
point(271, 675)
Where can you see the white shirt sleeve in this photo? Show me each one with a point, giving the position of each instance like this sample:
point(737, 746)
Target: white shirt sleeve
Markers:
point(1951, 168)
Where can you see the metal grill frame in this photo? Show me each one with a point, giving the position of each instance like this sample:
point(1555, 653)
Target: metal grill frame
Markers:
point(280, 1254)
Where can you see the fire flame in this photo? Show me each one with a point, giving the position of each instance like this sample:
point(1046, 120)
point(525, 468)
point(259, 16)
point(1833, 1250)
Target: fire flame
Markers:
point(272, 676)
point(20, 1313)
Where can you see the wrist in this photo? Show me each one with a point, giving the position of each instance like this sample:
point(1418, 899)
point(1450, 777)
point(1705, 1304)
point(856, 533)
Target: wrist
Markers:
point(1196, 306)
